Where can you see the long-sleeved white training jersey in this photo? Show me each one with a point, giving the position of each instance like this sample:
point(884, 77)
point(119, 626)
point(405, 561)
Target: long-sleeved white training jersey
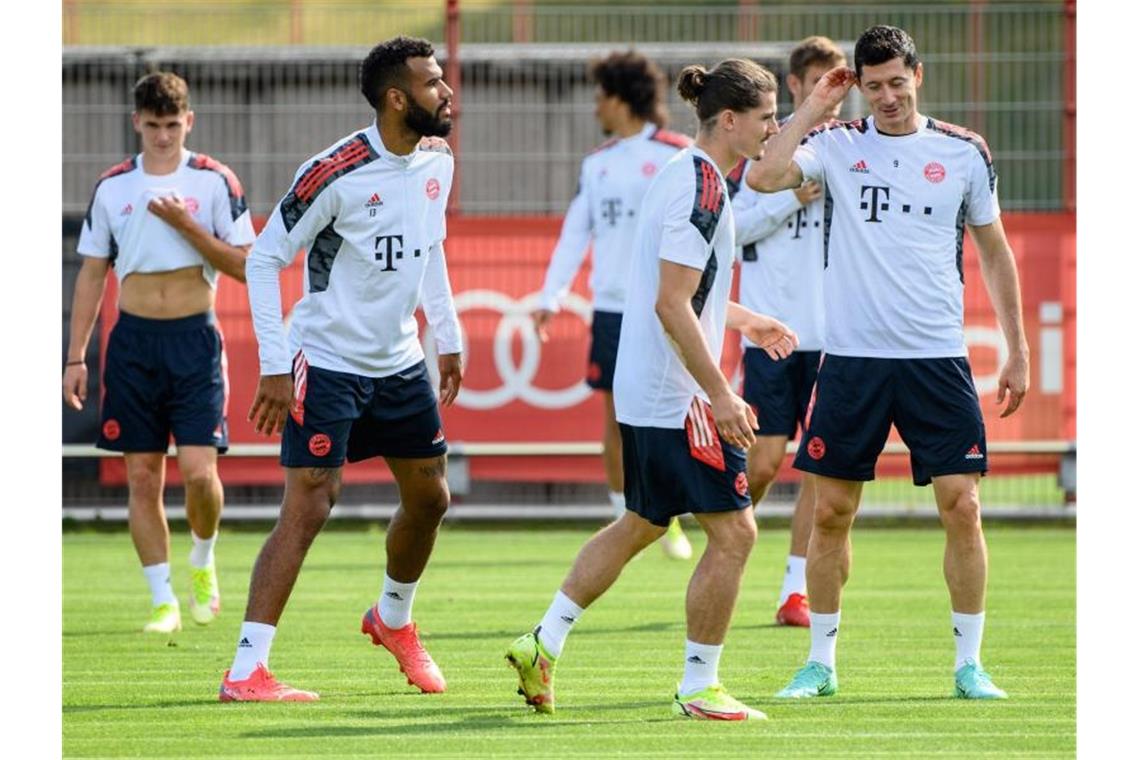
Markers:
point(372, 224)
point(779, 243)
point(612, 182)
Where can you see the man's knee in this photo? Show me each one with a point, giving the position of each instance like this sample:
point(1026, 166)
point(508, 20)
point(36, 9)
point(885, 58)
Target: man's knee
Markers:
point(201, 479)
point(430, 503)
point(833, 514)
point(962, 511)
point(320, 484)
point(734, 536)
point(145, 481)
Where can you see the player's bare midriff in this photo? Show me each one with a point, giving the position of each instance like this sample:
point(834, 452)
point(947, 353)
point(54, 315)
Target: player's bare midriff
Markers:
point(166, 295)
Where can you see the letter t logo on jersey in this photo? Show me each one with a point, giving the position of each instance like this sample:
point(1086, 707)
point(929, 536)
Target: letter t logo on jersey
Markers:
point(390, 249)
point(875, 206)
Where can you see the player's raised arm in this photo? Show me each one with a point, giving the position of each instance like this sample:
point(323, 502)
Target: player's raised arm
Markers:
point(999, 271)
point(776, 170)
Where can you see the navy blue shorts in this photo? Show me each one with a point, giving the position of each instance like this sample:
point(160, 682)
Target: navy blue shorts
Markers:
point(932, 402)
point(779, 391)
point(605, 330)
point(164, 377)
point(666, 477)
point(338, 414)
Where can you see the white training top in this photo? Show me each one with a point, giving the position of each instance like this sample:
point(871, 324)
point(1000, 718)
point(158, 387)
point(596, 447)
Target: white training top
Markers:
point(779, 242)
point(373, 226)
point(686, 219)
point(611, 185)
point(119, 227)
point(893, 242)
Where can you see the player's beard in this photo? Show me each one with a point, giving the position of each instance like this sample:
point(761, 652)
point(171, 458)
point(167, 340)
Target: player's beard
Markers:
point(424, 123)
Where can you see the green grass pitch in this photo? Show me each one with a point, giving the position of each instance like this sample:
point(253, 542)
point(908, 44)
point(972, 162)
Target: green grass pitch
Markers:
point(125, 694)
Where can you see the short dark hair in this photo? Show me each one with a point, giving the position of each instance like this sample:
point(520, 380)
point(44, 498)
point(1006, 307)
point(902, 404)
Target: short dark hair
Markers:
point(636, 81)
point(882, 43)
point(163, 93)
point(813, 51)
point(385, 66)
point(735, 84)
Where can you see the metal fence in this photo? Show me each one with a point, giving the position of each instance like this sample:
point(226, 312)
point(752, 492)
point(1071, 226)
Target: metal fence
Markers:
point(273, 83)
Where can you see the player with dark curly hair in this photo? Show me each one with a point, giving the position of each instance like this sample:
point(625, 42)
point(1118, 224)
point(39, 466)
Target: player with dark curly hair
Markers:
point(629, 97)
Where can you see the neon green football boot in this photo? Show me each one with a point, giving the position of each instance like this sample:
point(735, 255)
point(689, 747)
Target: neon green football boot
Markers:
point(205, 601)
point(535, 667)
point(165, 618)
point(713, 703)
point(971, 682)
point(812, 680)
point(674, 543)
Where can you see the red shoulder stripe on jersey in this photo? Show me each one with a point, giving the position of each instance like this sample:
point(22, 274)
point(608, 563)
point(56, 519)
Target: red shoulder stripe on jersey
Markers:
point(859, 125)
point(953, 130)
point(233, 184)
point(319, 171)
point(607, 144)
point(238, 206)
point(124, 166)
point(676, 139)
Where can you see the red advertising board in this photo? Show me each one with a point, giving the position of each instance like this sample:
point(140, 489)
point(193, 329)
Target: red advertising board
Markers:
point(517, 389)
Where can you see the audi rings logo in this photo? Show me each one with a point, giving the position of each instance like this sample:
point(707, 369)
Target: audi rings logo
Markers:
point(516, 380)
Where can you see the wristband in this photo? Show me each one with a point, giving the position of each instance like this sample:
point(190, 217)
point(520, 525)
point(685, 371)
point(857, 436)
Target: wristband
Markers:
point(72, 364)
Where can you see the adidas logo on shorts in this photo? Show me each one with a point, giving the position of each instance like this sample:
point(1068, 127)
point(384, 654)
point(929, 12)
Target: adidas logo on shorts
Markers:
point(975, 453)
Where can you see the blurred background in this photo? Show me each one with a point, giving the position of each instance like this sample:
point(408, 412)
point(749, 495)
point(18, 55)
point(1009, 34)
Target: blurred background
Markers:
point(274, 81)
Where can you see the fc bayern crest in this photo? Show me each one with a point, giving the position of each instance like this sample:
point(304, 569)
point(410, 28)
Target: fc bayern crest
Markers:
point(935, 172)
point(649, 168)
point(432, 188)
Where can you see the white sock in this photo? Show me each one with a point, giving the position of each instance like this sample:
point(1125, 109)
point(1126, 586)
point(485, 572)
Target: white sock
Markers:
point(158, 576)
point(617, 500)
point(701, 663)
point(824, 633)
point(202, 552)
point(396, 602)
point(968, 637)
point(253, 647)
point(795, 578)
point(557, 622)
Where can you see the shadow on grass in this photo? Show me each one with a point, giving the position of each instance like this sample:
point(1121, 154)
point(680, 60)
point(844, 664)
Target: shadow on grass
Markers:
point(469, 719)
point(509, 636)
point(79, 709)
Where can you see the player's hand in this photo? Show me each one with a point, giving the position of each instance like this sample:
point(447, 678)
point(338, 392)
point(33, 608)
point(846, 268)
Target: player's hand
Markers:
point(450, 377)
point(172, 210)
point(777, 339)
point(735, 420)
point(808, 192)
point(541, 317)
point(75, 385)
point(1014, 379)
point(830, 91)
point(271, 403)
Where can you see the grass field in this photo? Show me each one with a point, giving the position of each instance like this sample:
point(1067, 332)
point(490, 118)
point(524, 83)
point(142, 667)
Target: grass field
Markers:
point(129, 695)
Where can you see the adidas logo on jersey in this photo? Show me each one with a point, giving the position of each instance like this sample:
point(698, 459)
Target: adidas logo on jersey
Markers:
point(975, 453)
point(374, 201)
point(860, 167)
point(127, 209)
